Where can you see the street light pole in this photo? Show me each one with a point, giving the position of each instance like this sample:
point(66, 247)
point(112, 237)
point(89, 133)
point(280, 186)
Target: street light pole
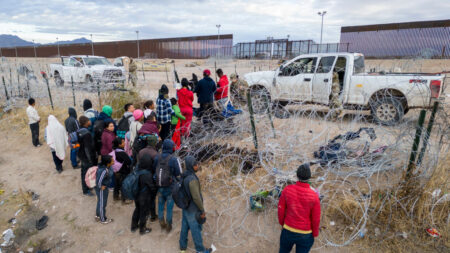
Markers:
point(92, 45)
point(34, 47)
point(218, 39)
point(321, 27)
point(137, 42)
point(57, 45)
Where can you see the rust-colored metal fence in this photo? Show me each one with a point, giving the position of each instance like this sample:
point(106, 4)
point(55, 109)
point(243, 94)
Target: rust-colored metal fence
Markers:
point(197, 47)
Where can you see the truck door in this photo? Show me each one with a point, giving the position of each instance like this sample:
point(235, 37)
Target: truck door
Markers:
point(67, 70)
point(321, 86)
point(295, 79)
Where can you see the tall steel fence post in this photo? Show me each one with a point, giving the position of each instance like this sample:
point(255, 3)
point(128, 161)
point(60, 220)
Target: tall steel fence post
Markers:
point(427, 133)
point(415, 147)
point(252, 120)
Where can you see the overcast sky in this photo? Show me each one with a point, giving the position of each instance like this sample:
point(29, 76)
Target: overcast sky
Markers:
point(247, 20)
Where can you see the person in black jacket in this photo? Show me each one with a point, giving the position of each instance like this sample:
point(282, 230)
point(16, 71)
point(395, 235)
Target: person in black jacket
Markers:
point(205, 92)
point(143, 201)
point(87, 152)
point(72, 126)
point(124, 161)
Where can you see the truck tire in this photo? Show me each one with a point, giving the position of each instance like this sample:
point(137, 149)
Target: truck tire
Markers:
point(58, 80)
point(260, 100)
point(387, 110)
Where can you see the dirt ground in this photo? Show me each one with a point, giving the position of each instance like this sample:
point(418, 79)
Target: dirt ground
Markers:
point(71, 227)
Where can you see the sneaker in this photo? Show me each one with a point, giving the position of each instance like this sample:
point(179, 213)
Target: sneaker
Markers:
point(163, 224)
point(37, 146)
point(183, 251)
point(107, 221)
point(134, 229)
point(89, 194)
point(169, 228)
point(59, 171)
point(97, 218)
point(153, 219)
point(145, 231)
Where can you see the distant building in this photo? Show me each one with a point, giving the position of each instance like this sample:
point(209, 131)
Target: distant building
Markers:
point(428, 39)
point(271, 48)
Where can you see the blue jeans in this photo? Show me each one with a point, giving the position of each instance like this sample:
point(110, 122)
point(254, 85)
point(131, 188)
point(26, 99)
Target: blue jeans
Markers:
point(303, 242)
point(165, 194)
point(73, 156)
point(190, 223)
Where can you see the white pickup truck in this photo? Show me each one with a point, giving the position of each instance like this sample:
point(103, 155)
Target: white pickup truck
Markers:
point(308, 79)
point(87, 69)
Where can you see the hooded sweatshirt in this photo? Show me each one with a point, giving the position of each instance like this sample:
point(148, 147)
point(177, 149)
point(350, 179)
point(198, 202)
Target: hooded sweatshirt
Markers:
point(205, 90)
point(146, 182)
point(185, 99)
point(106, 119)
point(71, 122)
point(192, 186)
point(222, 90)
point(174, 163)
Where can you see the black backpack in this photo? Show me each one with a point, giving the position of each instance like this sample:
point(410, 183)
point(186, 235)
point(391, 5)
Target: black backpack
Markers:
point(163, 173)
point(179, 194)
point(123, 127)
point(99, 126)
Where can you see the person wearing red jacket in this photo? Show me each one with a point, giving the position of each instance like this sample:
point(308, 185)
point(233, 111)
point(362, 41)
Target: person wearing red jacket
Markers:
point(185, 99)
point(299, 214)
point(221, 94)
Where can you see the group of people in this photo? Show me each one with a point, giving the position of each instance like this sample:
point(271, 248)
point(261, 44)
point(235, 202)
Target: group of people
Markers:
point(141, 146)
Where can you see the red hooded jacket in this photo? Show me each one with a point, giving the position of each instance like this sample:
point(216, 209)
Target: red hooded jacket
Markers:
point(222, 90)
point(299, 208)
point(185, 99)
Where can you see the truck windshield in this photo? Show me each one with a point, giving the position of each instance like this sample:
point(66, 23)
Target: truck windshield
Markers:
point(359, 65)
point(96, 61)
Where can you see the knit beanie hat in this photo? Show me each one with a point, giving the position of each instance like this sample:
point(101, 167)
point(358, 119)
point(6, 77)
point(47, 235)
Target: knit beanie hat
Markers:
point(164, 89)
point(137, 114)
point(304, 172)
point(107, 109)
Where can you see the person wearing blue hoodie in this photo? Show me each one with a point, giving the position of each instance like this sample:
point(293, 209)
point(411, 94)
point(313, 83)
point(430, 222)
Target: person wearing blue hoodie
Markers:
point(194, 215)
point(166, 166)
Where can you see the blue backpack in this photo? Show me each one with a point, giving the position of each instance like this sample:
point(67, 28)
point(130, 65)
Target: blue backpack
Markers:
point(130, 186)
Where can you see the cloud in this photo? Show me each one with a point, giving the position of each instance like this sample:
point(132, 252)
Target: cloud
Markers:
point(247, 20)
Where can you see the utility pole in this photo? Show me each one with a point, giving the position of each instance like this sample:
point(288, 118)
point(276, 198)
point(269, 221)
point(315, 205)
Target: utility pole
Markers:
point(15, 48)
point(321, 27)
point(92, 45)
point(137, 42)
point(34, 47)
point(218, 39)
point(57, 45)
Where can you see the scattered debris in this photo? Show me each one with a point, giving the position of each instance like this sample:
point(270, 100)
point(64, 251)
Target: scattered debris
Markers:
point(433, 232)
point(332, 223)
point(42, 222)
point(213, 248)
point(377, 232)
point(12, 221)
point(436, 193)
point(2, 191)
point(30, 250)
point(18, 212)
point(2, 202)
point(8, 237)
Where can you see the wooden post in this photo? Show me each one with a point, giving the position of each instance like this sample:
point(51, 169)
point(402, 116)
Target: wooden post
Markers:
point(28, 88)
point(6, 90)
point(98, 93)
point(269, 113)
point(427, 133)
point(252, 120)
point(49, 93)
point(412, 158)
point(73, 91)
